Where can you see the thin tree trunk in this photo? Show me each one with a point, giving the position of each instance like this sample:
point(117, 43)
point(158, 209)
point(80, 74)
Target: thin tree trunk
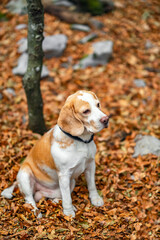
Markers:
point(31, 79)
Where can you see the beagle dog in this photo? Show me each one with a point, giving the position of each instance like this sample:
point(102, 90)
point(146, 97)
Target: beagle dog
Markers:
point(62, 154)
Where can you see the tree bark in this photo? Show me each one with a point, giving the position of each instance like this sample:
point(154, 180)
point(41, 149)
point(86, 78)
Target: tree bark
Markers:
point(31, 79)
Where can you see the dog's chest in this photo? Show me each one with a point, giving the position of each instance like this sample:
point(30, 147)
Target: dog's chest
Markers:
point(81, 158)
point(75, 158)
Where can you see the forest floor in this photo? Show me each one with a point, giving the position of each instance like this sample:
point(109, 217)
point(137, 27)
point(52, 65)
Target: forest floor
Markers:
point(130, 186)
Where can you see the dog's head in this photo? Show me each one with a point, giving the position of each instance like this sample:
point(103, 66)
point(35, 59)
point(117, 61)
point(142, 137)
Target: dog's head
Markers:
point(82, 112)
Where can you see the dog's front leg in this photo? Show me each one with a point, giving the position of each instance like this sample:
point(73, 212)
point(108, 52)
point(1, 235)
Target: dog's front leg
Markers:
point(64, 183)
point(96, 200)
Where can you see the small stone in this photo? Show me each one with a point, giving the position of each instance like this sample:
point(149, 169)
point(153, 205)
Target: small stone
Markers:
point(88, 38)
point(90, 60)
point(145, 145)
point(80, 27)
point(45, 72)
point(22, 67)
point(1, 96)
point(17, 6)
point(24, 120)
point(100, 56)
point(64, 3)
point(23, 45)
point(10, 91)
point(149, 44)
point(53, 46)
point(96, 23)
point(103, 48)
point(20, 26)
point(139, 83)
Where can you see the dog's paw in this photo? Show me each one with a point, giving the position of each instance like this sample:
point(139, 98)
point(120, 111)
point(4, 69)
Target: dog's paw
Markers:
point(69, 212)
point(97, 201)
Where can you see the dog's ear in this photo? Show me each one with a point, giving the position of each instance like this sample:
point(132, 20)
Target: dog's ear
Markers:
point(69, 121)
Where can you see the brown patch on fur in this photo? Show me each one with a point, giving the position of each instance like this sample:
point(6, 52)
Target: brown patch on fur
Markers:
point(68, 119)
point(92, 123)
point(40, 155)
point(65, 143)
point(81, 106)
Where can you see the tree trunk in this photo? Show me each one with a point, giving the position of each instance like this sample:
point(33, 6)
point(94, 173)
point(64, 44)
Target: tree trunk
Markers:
point(31, 79)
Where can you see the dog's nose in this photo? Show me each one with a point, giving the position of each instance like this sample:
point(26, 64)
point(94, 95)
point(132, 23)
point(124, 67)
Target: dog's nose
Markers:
point(105, 120)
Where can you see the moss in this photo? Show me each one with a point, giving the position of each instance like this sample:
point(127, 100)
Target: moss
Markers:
point(95, 7)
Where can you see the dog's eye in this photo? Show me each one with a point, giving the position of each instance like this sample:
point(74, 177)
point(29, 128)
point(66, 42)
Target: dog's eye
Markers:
point(98, 105)
point(87, 111)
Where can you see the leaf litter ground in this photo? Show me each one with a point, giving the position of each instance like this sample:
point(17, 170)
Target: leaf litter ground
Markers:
point(130, 186)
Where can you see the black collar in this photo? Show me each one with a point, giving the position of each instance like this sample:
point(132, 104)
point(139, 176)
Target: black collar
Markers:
point(77, 138)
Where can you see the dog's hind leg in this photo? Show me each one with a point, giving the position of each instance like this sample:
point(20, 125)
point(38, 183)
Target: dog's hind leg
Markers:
point(7, 193)
point(26, 185)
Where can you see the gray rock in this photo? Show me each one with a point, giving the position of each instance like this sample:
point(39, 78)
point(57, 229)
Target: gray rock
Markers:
point(103, 49)
point(100, 56)
point(64, 3)
point(96, 23)
point(90, 60)
point(10, 91)
point(133, 177)
point(80, 27)
point(149, 44)
point(53, 46)
point(23, 45)
point(17, 6)
point(139, 83)
point(22, 67)
point(88, 38)
point(20, 26)
point(146, 145)
point(24, 120)
point(1, 96)
point(45, 72)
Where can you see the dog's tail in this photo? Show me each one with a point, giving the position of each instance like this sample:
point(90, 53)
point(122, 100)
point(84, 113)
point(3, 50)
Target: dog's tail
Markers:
point(7, 193)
